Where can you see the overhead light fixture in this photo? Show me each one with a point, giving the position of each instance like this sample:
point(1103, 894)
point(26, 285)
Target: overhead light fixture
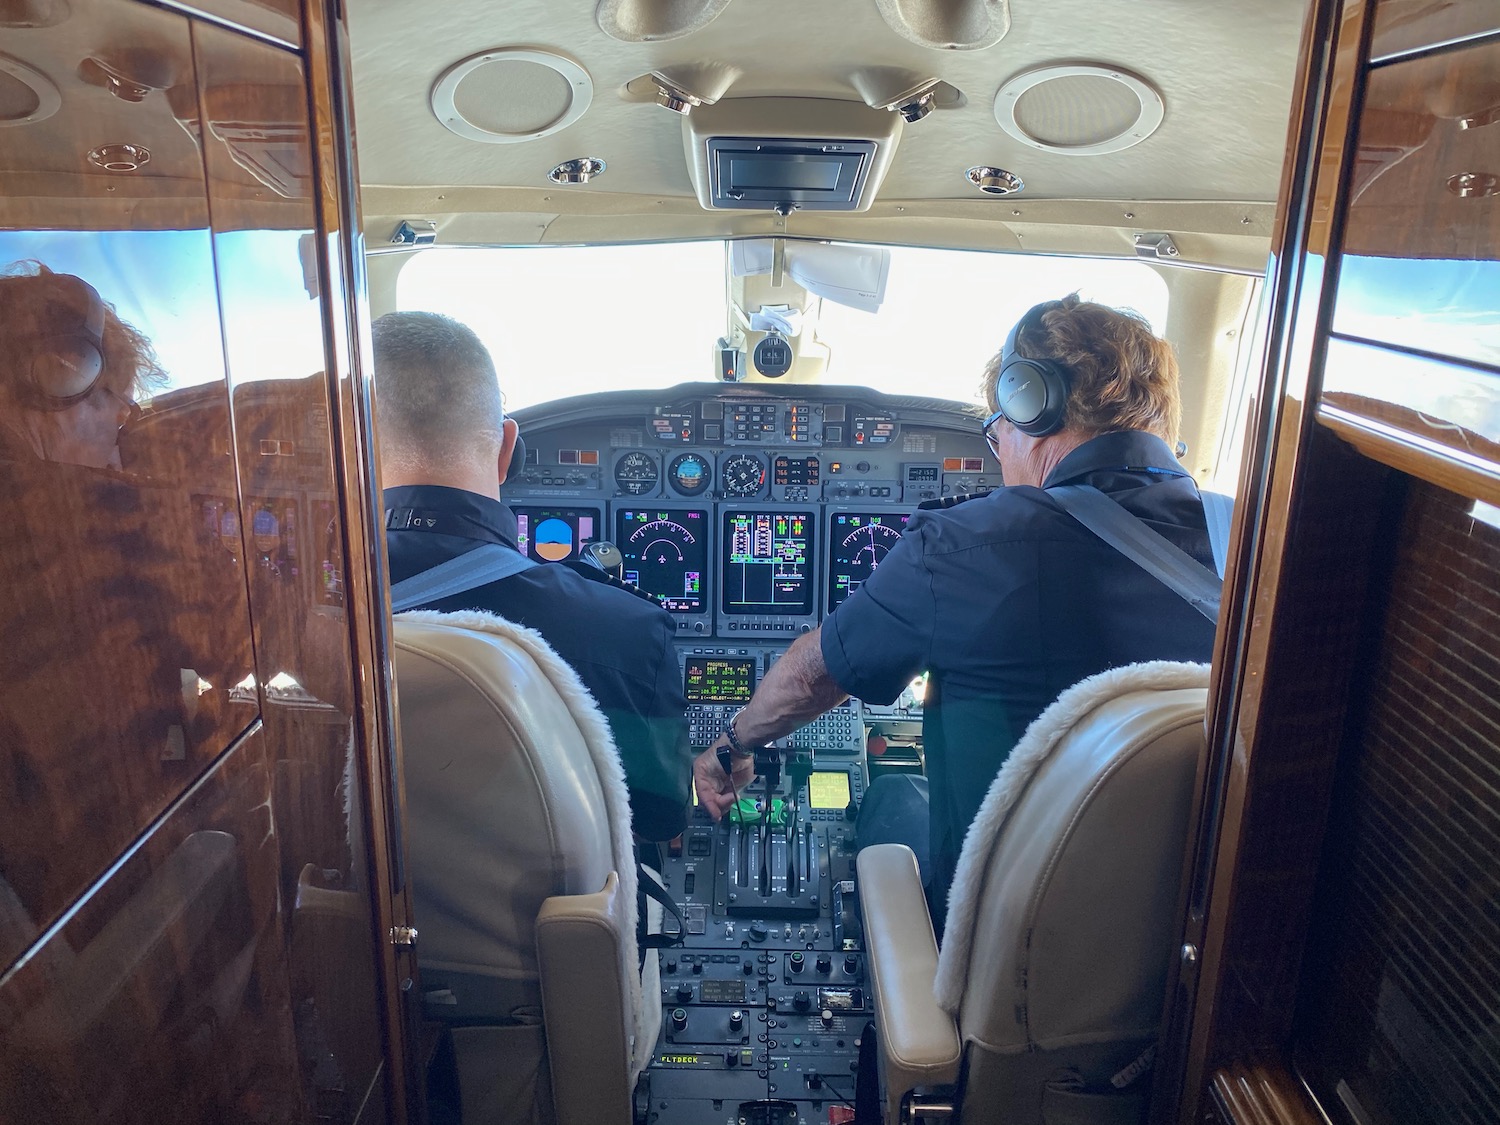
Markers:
point(671, 96)
point(579, 171)
point(916, 108)
point(120, 157)
point(994, 181)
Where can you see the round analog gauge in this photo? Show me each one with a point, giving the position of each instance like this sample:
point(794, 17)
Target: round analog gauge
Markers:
point(636, 474)
point(689, 474)
point(742, 475)
point(864, 547)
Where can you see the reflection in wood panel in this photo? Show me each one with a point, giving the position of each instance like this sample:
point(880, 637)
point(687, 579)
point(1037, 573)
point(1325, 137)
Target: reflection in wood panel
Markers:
point(1421, 260)
point(125, 615)
point(163, 998)
point(1408, 25)
point(1450, 410)
point(254, 111)
point(280, 19)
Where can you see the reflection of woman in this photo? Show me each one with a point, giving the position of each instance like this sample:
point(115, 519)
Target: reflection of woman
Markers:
point(70, 370)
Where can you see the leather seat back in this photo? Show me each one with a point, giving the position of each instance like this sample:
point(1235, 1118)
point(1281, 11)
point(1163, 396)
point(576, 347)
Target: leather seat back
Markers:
point(1074, 894)
point(508, 803)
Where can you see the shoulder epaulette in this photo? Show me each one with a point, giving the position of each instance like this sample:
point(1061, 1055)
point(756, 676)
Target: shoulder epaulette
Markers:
point(594, 574)
point(952, 501)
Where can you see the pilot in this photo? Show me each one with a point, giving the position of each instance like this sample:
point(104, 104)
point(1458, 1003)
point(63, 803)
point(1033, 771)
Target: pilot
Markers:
point(1005, 598)
point(445, 449)
point(70, 370)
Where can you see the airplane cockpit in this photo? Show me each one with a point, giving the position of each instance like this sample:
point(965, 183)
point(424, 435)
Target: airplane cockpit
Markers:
point(740, 266)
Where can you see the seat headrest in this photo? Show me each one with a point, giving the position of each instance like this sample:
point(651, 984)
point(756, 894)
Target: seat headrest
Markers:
point(1079, 837)
point(514, 790)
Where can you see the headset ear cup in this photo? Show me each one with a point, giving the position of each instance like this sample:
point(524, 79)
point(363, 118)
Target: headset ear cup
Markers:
point(65, 373)
point(1033, 393)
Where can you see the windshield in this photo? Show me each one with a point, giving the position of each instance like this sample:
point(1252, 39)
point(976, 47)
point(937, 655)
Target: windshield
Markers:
point(575, 320)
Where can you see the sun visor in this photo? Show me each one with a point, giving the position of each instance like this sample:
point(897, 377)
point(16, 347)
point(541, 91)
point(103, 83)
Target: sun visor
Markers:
point(804, 154)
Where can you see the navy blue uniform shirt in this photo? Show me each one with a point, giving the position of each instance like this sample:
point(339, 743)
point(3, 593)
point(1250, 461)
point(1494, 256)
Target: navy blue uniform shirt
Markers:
point(1007, 600)
point(620, 644)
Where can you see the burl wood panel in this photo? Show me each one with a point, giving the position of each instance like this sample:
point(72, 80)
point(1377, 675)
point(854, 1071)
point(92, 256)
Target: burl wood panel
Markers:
point(1409, 25)
point(165, 997)
point(1402, 992)
point(1421, 263)
point(254, 108)
point(1296, 711)
point(124, 612)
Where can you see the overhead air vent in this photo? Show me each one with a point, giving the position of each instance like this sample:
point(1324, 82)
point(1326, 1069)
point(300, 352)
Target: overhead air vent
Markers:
point(948, 25)
point(1083, 110)
point(789, 154)
point(652, 21)
point(511, 94)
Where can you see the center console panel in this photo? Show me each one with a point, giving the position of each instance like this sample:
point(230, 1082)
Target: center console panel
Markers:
point(766, 998)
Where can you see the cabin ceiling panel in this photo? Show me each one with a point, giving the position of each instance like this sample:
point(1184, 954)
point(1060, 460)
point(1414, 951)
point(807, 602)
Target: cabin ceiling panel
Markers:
point(1225, 72)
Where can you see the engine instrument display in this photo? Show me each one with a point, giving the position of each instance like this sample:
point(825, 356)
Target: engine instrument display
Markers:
point(555, 534)
point(766, 561)
point(716, 679)
point(742, 475)
point(794, 470)
point(666, 553)
point(858, 541)
point(689, 474)
point(636, 474)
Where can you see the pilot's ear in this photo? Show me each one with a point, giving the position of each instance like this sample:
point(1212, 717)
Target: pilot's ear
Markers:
point(510, 436)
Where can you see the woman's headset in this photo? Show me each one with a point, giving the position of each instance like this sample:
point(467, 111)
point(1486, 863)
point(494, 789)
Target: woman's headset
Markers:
point(69, 348)
point(1031, 393)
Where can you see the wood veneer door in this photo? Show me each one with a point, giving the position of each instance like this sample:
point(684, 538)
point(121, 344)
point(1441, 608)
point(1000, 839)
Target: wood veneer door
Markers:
point(186, 918)
point(126, 667)
point(259, 158)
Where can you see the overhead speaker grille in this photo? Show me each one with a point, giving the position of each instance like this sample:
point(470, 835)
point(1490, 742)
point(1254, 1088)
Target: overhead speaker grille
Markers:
point(1079, 110)
point(26, 95)
point(510, 94)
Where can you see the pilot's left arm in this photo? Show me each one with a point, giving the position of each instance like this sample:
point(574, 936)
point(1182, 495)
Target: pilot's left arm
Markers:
point(651, 734)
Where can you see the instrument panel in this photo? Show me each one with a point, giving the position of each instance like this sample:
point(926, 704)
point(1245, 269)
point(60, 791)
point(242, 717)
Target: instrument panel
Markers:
point(749, 513)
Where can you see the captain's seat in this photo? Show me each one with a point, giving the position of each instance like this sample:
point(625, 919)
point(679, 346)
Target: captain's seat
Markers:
point(1045, 1001)
point(518, 833)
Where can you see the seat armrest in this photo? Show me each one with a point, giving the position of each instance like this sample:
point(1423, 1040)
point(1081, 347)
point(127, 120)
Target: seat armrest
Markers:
point(579, 945)
point(919, 1044)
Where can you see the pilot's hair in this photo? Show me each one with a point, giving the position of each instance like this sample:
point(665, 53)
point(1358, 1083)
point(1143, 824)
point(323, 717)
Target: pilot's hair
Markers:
point(437, 396)
point(27, 292)
point(1121, 375)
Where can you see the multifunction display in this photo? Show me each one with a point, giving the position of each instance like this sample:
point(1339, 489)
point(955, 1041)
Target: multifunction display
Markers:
point(555, 534)
point(858, 542)
point(767, 563)
point(709, 679)
point(666, 553)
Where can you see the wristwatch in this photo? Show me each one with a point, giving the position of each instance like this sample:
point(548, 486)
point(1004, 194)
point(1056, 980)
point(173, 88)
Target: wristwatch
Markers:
point(737, 748)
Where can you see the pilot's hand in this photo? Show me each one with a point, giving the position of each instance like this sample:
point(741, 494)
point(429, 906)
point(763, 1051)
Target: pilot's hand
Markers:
point(714, 790)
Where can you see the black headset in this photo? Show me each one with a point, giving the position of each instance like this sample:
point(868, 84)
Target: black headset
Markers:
point(1031, 393)
point(69, 354)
